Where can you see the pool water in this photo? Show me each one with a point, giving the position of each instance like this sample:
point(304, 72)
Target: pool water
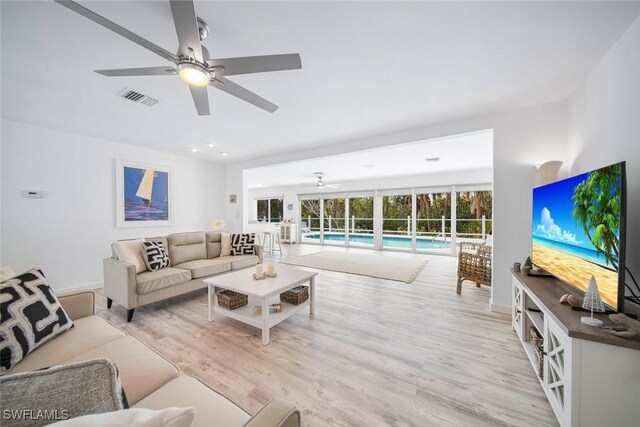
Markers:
point(387, 241)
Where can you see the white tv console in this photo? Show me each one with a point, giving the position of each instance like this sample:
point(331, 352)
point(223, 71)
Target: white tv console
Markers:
point(591, 378)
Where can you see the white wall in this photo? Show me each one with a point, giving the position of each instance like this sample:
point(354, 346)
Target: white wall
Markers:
point(604, 125)
point(290, 193)
point(522, 138)
point(69, 232)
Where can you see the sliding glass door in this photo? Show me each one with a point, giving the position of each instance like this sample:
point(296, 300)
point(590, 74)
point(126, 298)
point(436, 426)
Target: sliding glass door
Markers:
point(433, 222)
point(473, 219)
point(334, 221)
point(430, 219)
point(396, 221)
point(360, 222)
point(310, 221)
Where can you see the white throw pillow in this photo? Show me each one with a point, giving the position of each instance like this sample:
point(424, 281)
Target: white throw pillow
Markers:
point(130, 251)
point(225, 244)
point(137, 417)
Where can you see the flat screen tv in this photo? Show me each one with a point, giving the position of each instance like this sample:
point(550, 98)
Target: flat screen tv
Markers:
point(579, 231)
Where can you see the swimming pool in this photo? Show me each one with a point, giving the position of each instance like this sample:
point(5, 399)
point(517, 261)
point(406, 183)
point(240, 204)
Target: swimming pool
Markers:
point(387, 241)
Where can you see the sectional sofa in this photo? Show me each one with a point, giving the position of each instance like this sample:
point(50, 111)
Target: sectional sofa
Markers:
point(194, 257)
point(149, 380)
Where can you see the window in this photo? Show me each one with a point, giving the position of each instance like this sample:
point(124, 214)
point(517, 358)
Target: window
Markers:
point(270, 210)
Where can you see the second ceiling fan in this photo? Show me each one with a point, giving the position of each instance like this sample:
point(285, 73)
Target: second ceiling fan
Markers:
point(192, 63)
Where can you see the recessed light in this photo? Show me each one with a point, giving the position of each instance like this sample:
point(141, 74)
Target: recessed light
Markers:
point(432, 159)
point(211, 145)
point(223, 153)
point(194, 150)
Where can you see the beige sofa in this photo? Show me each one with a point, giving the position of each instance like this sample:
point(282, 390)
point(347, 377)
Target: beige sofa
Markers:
point(149, 380)
point(194, 258)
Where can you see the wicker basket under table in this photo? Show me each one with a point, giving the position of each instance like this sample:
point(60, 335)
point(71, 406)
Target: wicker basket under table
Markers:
point(296, 295)
point(231, 299)
point(537, 342)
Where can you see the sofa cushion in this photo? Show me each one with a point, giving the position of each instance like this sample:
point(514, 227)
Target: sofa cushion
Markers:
point(129, 251)
point(225, 244)
point(242, 244)
point(163, 278)
point(30, 316)
point(240, 261)
point(87, 334)
point(214, 244)
point(212, 409)
point(205, 267)
point(142, 370)
point(88, 387)
point(185, 247)
point(155, 255)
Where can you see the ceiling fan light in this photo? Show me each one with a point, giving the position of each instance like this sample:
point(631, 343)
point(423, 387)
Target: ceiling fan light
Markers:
point(193, 74)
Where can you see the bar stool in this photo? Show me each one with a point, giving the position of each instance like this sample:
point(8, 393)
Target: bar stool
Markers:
point(267, 242)
point(275, 243)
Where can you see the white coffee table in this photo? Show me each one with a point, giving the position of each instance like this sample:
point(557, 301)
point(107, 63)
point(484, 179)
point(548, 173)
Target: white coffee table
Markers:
point(261, 292)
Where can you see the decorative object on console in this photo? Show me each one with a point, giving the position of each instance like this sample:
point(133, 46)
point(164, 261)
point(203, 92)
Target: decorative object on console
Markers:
point(155, 255)
point(516, 267)
point(143, 195)
point(625, 327)
point(569, 299)
point(31, 316)
point(593, 302)
point(233, 198)
point(217, 225)
point(242, 244)
point(547, 172)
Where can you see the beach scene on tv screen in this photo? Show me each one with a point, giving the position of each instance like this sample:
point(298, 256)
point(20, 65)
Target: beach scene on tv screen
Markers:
point(576, 230)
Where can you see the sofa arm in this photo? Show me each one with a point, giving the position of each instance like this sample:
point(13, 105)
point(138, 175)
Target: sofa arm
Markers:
point(120, 282)
point(257, 249)
point(277, 413)
point(78, 304)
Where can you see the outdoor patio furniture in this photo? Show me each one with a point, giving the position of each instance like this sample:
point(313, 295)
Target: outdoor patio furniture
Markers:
point(475, 267)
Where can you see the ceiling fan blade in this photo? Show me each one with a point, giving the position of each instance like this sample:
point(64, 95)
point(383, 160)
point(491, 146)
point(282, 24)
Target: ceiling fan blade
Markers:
point(242, 93)
point(200, 99)
point(257, 64)
point(118, 29)
point(332, 186)
point(184, 18)
point(146, 71)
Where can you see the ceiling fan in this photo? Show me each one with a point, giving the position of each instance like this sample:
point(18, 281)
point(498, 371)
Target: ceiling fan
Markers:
point(320, 185)
point(193, 63)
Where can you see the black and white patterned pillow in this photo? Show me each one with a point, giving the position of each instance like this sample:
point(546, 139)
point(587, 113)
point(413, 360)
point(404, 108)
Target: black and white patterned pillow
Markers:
point(30, 315)
point(242, 244)
point(155, 255)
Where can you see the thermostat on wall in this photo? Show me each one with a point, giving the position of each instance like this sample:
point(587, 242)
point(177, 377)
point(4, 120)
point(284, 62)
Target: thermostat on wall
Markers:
point(33, 194)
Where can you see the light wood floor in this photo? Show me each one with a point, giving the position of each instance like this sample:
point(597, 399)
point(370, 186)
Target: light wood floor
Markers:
point(376, 353)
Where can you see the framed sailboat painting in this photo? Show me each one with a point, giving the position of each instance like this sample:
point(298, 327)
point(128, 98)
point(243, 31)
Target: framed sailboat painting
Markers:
point(143, 195)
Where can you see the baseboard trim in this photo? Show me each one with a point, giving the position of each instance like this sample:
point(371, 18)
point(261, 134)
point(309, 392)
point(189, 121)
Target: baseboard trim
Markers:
point(499, 308)
point(80, 288)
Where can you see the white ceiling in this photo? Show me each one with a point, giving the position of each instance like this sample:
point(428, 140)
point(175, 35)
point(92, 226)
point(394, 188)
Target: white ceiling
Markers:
point(455, 153)
point(368, 68)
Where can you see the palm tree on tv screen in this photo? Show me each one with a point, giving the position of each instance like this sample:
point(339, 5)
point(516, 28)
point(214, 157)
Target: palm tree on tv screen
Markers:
point(596, 206)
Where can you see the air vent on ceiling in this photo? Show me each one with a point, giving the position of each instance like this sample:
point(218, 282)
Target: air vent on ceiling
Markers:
point(134, 96)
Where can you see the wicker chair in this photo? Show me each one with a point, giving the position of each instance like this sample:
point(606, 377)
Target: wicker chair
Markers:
point(474, 267)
